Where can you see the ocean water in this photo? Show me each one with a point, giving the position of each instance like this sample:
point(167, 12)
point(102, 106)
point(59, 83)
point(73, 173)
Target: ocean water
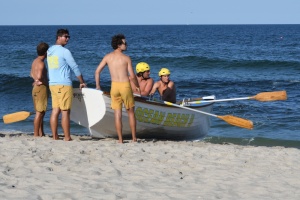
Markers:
point(228, 61)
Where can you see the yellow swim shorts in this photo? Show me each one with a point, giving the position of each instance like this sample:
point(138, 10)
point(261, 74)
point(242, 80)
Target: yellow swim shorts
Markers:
point(120, 93)
point(62, 96)
point(40, 98)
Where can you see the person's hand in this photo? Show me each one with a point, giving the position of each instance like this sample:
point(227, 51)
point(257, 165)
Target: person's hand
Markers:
point(98, 88)
point(138, 90)
point(37, 82)
point(82, 85)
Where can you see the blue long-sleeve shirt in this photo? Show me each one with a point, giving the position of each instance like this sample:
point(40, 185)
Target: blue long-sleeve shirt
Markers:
point(60, 64)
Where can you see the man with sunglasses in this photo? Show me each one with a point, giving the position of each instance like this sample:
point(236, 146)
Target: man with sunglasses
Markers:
point(120, 66)
point(60, 66)
point(144, 79)
point(165, 86)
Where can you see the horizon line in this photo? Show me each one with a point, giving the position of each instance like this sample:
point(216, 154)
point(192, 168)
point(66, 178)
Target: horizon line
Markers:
point(135, 24)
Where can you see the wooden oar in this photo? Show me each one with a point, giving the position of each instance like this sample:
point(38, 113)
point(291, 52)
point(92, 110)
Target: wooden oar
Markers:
point(263, 96)
point(236, 121)
point(17, 116)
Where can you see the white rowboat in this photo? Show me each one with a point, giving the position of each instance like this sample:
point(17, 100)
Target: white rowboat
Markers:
point(91, 109)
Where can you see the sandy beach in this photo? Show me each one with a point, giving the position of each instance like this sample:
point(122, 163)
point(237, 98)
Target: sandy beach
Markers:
point(40, 168)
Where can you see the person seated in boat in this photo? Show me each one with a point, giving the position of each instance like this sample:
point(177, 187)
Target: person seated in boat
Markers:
point(165, 86)
point(143, 77)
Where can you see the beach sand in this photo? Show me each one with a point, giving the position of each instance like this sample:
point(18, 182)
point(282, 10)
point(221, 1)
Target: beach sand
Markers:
point(40, 168)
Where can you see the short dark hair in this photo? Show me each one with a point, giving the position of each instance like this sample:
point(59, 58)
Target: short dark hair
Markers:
point(117, 40)
point(42, 48)
point(61, 32)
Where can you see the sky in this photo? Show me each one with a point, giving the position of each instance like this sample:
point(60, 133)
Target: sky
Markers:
point(148, 12)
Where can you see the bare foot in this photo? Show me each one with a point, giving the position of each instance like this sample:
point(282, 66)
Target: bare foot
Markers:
point(67, 139)
point(55, 137)
point(120, 141)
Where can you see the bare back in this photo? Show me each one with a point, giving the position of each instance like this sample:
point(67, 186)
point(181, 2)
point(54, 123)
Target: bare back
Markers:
point(119, 65)
point(39, 71)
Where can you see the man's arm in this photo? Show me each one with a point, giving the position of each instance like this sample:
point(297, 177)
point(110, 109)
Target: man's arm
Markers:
point(71, 62)
point(39, 71)
point(171, 84)
point(154, 88)
point(98, 71)
point(133, 86)
point(132, 76)
point(169, 89)
point(73, 65)
point(82, 83)
point(147, 88)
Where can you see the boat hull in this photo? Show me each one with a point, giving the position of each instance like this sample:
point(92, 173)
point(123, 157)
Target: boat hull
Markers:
point(91, 109)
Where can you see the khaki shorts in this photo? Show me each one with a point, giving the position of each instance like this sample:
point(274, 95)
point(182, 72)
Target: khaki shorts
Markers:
point(62, 96)
point(40, 98)
point(120, 93)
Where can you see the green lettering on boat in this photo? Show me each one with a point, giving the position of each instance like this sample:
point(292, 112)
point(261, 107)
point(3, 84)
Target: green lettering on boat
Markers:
point(170, 119)
point(158, 117)
point(191, 120)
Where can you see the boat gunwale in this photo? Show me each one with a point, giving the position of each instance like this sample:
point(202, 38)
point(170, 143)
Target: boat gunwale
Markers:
point(159, 103)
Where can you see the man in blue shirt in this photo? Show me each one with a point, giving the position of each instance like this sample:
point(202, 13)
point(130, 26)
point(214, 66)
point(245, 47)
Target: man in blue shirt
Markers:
point(60, 66)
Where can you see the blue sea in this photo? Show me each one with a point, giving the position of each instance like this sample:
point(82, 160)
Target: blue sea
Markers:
point(228, 61)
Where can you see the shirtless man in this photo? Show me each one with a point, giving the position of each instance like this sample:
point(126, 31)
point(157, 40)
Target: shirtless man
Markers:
point(119, 66)
point(165, 86)
point(40, 89)
point(143, 77)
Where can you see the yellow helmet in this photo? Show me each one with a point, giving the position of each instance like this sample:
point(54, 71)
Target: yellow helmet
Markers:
point(141, 67)
point(164, 71)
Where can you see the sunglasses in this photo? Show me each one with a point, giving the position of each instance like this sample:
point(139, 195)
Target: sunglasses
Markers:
point(66, 36)
point(147, 71)
point(125, 43)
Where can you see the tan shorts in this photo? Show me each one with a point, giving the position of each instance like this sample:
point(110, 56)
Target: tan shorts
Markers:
point(120, 93)
point(40, 98)
point(62, 96)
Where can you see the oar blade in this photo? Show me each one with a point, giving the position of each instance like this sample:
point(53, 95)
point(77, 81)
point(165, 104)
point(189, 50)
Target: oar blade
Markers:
point(271, 96)
point(15, 117)
point(236, 121)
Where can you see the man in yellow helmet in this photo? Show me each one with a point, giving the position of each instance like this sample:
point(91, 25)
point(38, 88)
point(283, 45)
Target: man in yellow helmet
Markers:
point(143, 77)
point(165, 86)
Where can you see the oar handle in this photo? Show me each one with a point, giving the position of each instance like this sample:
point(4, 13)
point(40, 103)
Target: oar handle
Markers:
point(218, 100)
